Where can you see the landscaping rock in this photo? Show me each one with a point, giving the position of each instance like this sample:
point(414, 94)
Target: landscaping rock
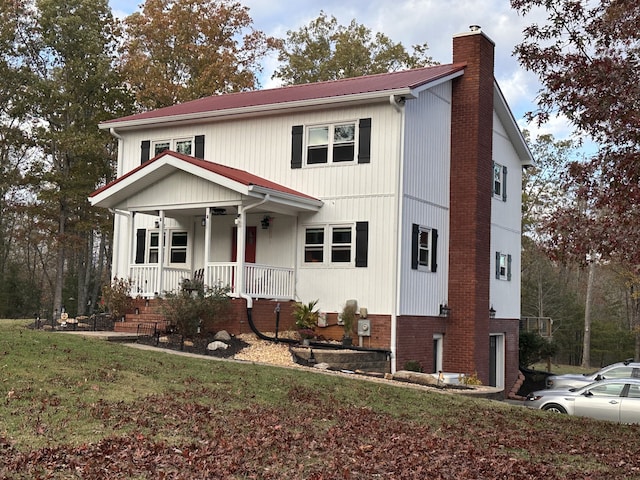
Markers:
point(217, 345)
point(222, 336)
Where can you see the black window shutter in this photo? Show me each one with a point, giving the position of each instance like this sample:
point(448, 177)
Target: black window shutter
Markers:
point(415, 234)
point(364, 142)
point(362, 243)
point(140, 244)
point(504, 184)
point(296, 146)
point(498, 265)
point(509, 267)
point(199, 146)
point(434, 249)
point(145, 151)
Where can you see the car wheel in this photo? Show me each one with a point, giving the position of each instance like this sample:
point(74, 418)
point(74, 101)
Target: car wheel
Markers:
point(555, 408)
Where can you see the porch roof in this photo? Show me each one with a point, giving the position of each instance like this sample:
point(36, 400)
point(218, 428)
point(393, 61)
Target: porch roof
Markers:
point(167, 163)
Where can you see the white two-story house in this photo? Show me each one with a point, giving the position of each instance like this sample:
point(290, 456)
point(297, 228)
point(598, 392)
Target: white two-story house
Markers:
point(400, 191)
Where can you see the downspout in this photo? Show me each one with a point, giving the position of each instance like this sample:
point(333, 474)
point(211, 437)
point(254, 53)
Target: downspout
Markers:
point(398, 105)
point(241, 292)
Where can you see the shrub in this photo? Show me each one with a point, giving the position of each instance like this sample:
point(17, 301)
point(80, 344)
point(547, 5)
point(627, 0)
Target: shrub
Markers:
point(348, 318)
point(413, 366)
point(193, 311)
point(306, 315)
point(116, 298)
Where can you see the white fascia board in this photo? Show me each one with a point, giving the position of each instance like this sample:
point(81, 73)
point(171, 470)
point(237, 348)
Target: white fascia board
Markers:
point(511, 126)
point(368, 97)
point(435, 83)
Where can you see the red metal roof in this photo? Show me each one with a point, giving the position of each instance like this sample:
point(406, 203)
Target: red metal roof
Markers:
point(310, 91)
point(240, 176)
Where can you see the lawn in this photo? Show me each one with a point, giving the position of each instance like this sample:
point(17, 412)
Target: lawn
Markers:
point(88, 409)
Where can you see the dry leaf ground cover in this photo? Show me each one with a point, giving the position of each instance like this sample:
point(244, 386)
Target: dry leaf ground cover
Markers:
point(75, 408)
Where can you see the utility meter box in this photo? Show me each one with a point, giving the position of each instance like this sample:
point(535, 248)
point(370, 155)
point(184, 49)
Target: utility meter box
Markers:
point(364, 328)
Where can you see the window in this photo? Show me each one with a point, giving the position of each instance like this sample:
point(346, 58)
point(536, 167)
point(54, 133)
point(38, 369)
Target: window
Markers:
point(503, 266)
point(314, 245)
point(154, 243)
point(338, 142)
point(334, 244)
point(424, 248)
point(341, 244)
point(193, 146)
point(331, 143)
point(178, 248)
point(500, 181)
point(159, 147)
point(607, 390)
point(184, 146)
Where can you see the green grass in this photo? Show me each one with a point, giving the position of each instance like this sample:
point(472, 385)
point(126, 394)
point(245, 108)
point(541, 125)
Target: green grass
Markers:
point(72, 407)
point(559, 369)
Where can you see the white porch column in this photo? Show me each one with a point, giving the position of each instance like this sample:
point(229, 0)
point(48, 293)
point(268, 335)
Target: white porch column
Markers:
point(131, 231)
point(207, 245)
point(240, 224)
point(161, 254)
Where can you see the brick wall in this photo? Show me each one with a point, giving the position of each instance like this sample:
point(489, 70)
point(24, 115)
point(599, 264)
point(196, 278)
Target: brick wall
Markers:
point(467, 336)
point(415, 340)
point(511, 330)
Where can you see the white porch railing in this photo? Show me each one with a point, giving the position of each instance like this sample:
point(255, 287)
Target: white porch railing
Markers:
point(261, 281)
point(145, 282)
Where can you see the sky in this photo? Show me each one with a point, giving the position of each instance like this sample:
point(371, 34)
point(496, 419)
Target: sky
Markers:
point(412, 22)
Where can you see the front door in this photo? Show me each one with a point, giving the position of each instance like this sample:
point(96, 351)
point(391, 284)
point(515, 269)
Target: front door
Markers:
point(249, 247)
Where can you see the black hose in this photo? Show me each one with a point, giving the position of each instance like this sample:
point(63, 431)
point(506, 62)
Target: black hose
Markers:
point(262, 335)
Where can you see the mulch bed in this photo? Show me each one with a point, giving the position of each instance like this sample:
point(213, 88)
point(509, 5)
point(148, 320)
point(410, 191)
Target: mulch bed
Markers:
point(178, 342)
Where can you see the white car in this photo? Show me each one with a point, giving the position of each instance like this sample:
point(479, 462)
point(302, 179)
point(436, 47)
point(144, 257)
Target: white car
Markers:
point(615, 400)
point(626, 369)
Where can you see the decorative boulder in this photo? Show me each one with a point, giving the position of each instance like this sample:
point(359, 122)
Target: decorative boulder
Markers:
point(222, 336)
point(217, 345)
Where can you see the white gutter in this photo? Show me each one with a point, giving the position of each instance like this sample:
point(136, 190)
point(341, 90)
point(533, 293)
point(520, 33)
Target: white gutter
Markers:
point(399, 107)
point(252, 109)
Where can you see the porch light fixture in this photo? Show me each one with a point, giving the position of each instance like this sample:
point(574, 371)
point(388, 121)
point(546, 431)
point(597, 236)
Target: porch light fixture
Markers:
point(203, 222)
point(265, 222)
point(492, 312)
point(444, 310)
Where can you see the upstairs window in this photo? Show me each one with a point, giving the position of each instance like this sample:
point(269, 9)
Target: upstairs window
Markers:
point(503, 266)
point(192, 146)
point(331, 143)
point(500, 181)
point(424, 248)
point(339, 142)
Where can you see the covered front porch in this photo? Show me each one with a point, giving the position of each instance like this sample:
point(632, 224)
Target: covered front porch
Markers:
point(178, 217)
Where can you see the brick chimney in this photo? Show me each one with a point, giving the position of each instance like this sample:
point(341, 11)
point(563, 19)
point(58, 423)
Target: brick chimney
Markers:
point(467, 334)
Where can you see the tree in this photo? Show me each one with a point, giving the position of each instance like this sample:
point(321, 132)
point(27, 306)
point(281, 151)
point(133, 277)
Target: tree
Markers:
point(324, 50)
point(72, 50)
point(586, 57)
point(175, 51)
